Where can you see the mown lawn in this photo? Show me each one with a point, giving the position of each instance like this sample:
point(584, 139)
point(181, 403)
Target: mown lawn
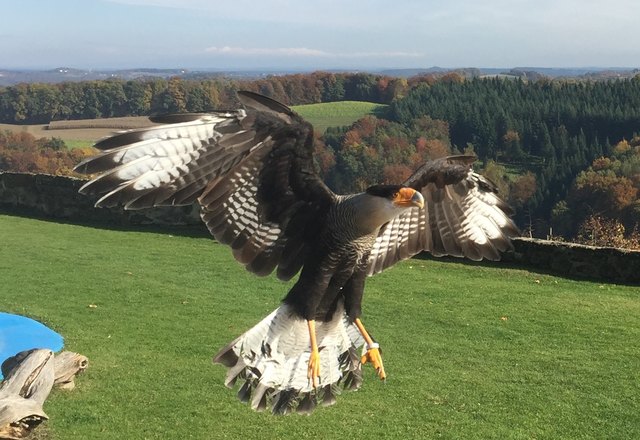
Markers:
point(472, 351)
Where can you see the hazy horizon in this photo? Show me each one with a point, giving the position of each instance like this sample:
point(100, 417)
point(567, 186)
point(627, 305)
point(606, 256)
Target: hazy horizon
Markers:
point(311, 69)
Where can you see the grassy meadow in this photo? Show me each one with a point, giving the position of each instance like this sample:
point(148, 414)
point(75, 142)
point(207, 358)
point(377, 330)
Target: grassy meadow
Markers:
point(336, 114)
point(472, 351)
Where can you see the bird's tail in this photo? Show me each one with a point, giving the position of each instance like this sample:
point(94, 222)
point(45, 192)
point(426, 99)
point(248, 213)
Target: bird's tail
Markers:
point(272, 358)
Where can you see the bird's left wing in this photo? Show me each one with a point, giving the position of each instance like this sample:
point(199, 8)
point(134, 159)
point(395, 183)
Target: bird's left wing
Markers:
point(251, 170)
point(462, 216)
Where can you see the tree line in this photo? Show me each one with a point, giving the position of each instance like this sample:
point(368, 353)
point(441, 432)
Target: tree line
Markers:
point(42, 103)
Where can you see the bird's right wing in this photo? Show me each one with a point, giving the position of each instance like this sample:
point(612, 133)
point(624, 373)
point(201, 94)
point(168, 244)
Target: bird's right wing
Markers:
point(462, 217)
point(167, 164)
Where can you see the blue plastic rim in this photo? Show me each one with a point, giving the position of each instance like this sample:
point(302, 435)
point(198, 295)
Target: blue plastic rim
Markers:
point(19, 333)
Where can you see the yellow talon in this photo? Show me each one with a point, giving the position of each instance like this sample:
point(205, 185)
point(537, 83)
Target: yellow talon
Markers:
point(373, 351)
point(313, 370)
point(373, 355)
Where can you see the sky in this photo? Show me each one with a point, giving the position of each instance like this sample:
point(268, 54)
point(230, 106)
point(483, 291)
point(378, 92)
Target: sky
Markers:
point(322, 34)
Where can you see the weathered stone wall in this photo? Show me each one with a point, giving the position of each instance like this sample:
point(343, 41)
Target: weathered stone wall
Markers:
point(57, 197)
point(577, 260)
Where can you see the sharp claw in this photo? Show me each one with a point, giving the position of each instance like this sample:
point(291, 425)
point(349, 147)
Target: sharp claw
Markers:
point(313, 370)
point(373, 355)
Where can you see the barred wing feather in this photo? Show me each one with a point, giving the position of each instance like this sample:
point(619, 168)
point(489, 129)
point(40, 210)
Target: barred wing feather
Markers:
point(462, 217)
point(167, 164)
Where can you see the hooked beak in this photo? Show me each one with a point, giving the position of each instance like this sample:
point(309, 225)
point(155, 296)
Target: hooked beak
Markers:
point(408, 197)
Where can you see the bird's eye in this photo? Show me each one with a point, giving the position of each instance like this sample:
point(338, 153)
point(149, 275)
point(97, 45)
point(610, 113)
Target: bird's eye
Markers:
point(395, 195)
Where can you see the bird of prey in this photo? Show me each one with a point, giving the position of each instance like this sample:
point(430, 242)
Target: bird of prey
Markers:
point(252, 172)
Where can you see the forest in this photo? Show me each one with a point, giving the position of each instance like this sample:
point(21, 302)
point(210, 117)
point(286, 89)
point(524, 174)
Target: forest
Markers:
point(554, 130)
point(565, 154)
point(41, 103)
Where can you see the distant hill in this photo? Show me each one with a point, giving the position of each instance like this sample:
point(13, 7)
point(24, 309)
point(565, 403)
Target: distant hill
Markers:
point(10, 77)
point(528, 72)
point(68, 74)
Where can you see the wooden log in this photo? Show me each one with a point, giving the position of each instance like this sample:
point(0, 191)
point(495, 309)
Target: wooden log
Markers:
point(67, 365)
point(28, 381)
point(29, 377)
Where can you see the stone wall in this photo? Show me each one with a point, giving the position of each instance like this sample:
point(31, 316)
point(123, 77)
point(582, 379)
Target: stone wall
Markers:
point(57, 197)
point(577, 260)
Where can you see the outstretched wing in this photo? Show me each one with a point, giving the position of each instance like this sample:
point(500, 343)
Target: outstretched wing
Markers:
point(462, 217)
point(252, 172)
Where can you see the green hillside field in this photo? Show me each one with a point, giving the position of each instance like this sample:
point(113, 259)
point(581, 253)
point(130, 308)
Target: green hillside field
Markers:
point(337, 114)
point(472, 351)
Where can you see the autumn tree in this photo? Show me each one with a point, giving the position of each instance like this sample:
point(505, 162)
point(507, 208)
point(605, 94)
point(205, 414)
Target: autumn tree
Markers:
point(332, 88)
point(396, 173)
point(138, 95)
point(497, 174)
point(324, 157)
point(375, 150)
point(596, 230)
point(173, 99)
point(512, 146)
point(522, 188)
point(22, 152)
point(602, 193)
point(430, 149)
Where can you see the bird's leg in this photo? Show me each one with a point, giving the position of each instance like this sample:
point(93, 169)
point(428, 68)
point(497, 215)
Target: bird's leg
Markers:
point(373, 351)
point(313, 371)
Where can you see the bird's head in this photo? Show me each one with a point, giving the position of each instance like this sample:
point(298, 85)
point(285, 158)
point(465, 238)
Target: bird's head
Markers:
point(400, 196)
point(379, 204)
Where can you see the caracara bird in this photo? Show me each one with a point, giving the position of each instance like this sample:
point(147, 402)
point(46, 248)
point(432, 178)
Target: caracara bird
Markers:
point(252, 172)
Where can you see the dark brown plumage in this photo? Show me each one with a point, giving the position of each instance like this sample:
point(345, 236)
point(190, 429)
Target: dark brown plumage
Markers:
point(253, 174)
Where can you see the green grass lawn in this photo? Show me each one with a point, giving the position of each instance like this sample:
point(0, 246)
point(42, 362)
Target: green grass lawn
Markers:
point(336, 114)
point(472, 351)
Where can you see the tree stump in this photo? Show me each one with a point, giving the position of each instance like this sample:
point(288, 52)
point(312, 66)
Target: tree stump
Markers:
point(66, 366)
point(29, 377)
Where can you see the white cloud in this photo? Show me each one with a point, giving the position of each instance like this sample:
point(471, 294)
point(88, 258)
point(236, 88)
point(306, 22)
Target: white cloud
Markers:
point(305, 52)
point(281, 51)
point(391, 54)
